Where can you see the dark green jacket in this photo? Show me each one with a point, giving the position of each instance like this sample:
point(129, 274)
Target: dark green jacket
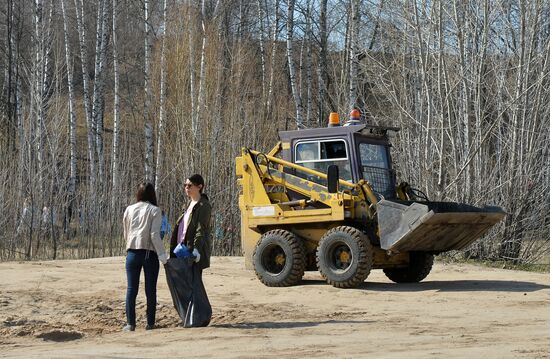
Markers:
point(198, 232)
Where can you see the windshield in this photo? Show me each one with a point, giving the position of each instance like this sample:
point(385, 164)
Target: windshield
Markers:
point(376, 168)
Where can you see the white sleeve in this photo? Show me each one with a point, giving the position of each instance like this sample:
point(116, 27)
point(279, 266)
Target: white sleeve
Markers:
point(125, 224)
point(155, 234)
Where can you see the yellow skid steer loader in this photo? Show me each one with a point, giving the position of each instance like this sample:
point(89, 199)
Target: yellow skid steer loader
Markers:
point(326, 199)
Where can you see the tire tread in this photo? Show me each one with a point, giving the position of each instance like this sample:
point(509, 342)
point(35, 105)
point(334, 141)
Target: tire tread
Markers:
point(364, 263)
point(298, 266)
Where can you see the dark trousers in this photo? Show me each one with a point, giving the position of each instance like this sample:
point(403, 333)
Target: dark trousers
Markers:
point(135, 260)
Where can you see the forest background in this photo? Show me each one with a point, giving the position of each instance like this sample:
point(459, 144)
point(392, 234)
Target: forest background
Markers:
point(98, 96)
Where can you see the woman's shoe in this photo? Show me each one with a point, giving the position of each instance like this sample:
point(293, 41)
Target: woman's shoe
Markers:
point(129, 328)
point(150, 327)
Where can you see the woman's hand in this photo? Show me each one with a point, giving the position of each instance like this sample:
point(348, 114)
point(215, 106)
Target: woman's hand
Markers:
point(197, 255)
point(163, 258)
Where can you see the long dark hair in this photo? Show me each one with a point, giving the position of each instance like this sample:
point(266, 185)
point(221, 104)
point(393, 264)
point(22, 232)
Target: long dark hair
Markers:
point(197, 180)
point(146, 193)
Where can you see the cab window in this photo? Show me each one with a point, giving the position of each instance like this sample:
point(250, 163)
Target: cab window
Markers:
point(320, 154)
point(373, 155)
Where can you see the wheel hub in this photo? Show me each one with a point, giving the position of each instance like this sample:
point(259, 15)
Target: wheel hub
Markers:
point(341, 257)
point(274, 259)
point(280, 259)
point(345, 257)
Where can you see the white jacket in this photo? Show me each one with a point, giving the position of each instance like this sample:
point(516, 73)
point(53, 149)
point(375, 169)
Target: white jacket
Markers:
point(142, 228)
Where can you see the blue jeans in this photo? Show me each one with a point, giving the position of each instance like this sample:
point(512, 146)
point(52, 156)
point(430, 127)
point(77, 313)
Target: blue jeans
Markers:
point(135, 260)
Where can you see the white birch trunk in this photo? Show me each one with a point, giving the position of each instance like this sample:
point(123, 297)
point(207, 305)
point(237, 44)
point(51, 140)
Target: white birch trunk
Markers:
point(11, 75)
point(192, 69)
point(17, 96)
point(274, 34)
point(162, 110)
point(202, 75)
point(240, 26)
point(354, 54)
point(300, 76)
point(322, 63)
point(341, 86)
point(441, 81)
point(37, 93)
point(215, 120)
point(17, 87)
point(220, 103)
point(514, 164)
point(72, 107)
point(85, 88)
point(424, 89)
point(309, 38)
point(47, 48)
point(291, 69)
point(479, 104)
point(116, 106)
point(464, 100)
point(149, 144)
point(99, 82)
point(261, 16)
point(192, 91)
point(532, 10)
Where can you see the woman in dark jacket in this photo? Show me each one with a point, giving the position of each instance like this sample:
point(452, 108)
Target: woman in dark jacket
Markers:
point(193, 227)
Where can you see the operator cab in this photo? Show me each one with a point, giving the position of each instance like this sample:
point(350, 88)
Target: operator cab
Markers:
point(359, 151)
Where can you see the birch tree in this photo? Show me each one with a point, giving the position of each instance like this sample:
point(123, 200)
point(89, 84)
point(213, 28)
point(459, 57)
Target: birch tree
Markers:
point(261, 18)
point(220, 104)
point(39, 75)
point(102, 38)
point(116, 107)
point(38, 93)
point(309, 39)
point(192, 77)
point(322, 79)
point(291, 67)
point(149, 144)
point(274, 36)
point(162, 110)
point(79, 9)
point(466, 138)
point(202, 75)
point(8, 87)
point(72, 112)
point(354, 52)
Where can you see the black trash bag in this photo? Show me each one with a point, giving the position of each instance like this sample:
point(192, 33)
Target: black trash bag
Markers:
point(188, 293)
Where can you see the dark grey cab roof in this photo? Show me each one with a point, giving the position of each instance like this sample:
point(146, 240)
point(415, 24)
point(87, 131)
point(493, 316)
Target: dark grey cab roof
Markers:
point(377, 131)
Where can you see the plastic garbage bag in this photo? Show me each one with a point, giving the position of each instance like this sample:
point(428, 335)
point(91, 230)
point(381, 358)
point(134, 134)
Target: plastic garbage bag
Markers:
point(188, 292)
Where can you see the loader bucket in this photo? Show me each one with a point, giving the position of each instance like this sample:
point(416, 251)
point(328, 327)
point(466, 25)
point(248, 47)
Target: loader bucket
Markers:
point(432, 226)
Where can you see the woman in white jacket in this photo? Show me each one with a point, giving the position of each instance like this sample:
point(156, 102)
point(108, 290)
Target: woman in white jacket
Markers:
point(144, 250)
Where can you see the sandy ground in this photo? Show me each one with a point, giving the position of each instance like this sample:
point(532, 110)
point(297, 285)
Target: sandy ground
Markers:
point(75, 309)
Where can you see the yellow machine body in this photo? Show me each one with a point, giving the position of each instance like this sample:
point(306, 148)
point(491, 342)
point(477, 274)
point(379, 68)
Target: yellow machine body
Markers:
point(283, 199)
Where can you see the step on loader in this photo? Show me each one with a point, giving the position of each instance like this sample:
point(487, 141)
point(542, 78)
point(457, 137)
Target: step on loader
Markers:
point(327, 199)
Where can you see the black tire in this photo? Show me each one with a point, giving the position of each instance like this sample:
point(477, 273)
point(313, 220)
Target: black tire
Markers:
point(279, 259)
point(420, 265)
point(344, 257)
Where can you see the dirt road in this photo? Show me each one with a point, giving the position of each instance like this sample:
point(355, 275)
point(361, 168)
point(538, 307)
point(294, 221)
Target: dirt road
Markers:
point(75, 309)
